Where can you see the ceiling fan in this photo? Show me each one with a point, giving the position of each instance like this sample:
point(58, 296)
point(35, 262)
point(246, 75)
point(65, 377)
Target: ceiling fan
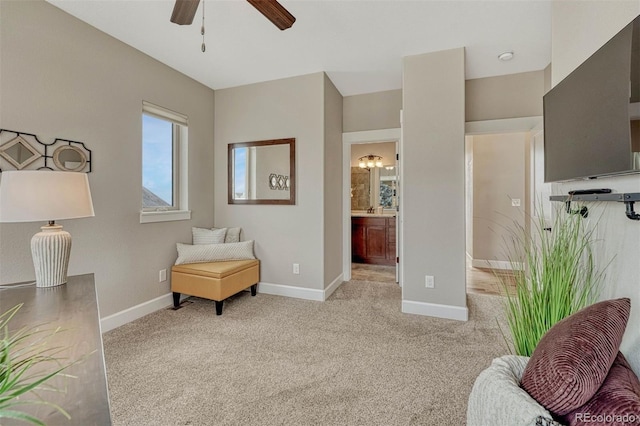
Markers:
point(185, 10)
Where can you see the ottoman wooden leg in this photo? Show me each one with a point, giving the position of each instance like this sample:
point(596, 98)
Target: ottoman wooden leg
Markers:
point(219, 307)
point(253, 289)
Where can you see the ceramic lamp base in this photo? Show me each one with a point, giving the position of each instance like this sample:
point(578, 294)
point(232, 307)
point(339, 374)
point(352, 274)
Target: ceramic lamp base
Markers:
point(50, 249)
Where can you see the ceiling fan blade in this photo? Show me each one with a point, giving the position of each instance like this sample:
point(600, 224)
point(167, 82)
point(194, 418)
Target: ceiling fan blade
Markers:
point(184, 11)
point(274, 12)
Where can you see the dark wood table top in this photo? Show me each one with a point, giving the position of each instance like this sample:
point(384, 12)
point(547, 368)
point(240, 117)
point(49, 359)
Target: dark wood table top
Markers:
point(73, 307)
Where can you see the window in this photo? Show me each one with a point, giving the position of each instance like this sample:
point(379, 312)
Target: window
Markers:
point(388, 186)
point(241, 173)
point(159, 138)
point(164, 165)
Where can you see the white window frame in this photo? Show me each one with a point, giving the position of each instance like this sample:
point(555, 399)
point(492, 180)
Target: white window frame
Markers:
point(180, 208)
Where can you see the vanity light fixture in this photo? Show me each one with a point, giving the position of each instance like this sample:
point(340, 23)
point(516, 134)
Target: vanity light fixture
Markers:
point(369, 161)
point(506, 56)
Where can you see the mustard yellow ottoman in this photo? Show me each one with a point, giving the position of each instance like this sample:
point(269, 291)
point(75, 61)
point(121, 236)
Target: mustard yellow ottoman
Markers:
point(214, 280)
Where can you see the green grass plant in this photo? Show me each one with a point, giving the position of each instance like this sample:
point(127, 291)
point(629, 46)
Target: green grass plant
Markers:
point(27, 362)
point(559, 276)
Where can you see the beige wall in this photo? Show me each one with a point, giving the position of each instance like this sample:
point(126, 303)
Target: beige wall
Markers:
point(506, 96)
point(433, 161)
point(60, 77)
point(372, 111)
point(287, 108)
point(332, 182)
point(498, 177)
point(386, 150)
point(597, 22)
point(547, 78)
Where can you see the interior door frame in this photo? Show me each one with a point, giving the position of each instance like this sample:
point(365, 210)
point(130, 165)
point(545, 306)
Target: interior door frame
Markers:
point(353, 138)
point(532, 125)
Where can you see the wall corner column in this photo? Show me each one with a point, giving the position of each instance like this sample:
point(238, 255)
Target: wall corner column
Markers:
point(434, 187)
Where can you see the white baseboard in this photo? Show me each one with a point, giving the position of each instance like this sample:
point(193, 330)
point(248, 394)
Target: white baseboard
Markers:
point(333, 287)
point(435, 310)
point(496, 264)
point(133, 313)
point(291, 291)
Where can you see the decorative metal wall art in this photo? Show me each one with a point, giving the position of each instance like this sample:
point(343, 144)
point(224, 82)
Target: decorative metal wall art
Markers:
point(273, 181)
point(279, 182)
point(20, 150)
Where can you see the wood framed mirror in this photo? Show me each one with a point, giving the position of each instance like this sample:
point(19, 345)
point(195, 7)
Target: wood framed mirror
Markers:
point(262, 172)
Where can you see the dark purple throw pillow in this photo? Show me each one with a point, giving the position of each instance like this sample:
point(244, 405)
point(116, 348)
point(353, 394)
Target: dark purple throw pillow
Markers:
point(616, 403)
point(573, 358)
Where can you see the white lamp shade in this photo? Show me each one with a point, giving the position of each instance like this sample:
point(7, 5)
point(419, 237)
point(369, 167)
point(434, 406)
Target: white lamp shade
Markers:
point(43, 195)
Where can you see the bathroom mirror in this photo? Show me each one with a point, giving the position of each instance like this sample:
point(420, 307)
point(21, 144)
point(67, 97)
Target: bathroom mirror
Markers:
point(262, 172)
point(69, 158)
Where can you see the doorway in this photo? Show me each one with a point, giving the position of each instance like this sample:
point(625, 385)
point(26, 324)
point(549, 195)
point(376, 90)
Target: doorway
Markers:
point(499, 172)
point(371, 206)
point(373, 189)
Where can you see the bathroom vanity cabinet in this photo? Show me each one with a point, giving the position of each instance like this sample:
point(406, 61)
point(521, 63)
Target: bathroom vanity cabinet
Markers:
point(373, 239)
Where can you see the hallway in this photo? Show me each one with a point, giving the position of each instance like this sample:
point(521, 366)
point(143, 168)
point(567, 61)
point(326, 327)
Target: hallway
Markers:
point(479, 280)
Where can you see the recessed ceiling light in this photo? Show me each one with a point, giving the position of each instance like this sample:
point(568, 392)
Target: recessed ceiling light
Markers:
point(506, 56)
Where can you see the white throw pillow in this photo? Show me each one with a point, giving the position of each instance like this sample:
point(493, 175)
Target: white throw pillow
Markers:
point(233, 235)
point(208, 236)
point(202, 253)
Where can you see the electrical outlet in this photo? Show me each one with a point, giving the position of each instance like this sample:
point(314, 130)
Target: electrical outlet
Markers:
point(515, 202)
point(429, 281)
point(162, 276)
point(296, 268)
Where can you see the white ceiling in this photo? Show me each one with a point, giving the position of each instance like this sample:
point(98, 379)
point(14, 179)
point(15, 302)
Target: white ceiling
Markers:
point(360, 44)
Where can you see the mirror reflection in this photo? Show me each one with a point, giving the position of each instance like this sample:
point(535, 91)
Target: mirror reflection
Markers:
point(262, 172)
point(19, 152)
point(69, 158)
point(374, 186)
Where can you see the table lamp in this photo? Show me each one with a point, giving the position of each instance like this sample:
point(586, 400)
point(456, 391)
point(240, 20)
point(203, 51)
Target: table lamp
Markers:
point(45, 195)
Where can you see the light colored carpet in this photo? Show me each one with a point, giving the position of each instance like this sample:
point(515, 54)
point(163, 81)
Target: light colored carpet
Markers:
point(268, 360)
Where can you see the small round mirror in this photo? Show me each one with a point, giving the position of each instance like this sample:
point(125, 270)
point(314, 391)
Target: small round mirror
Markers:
point(69, 158)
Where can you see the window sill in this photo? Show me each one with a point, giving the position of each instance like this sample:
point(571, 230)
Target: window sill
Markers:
point(165, 216)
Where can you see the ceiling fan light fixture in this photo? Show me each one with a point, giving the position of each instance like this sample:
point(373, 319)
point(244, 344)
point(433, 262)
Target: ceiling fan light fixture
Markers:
point(274, 12)
point(184, 11)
